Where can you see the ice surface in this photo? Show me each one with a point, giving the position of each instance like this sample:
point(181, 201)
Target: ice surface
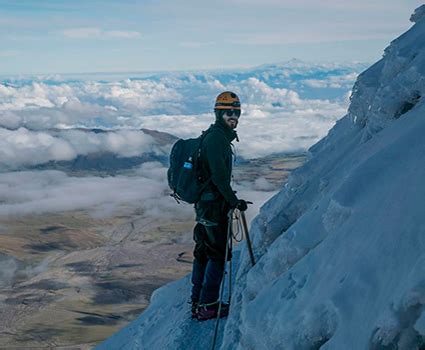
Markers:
point(341, 249)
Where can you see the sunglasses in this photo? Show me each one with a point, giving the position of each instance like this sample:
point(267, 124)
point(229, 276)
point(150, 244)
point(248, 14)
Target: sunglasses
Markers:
point(233, 113)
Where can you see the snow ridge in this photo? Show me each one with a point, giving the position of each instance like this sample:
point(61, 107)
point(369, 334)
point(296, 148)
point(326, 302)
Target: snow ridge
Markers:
point(341, 249)
point(418, 15)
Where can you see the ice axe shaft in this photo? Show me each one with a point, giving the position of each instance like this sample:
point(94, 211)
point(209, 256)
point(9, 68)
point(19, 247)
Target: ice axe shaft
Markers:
point(248, 240)
point(220, 302)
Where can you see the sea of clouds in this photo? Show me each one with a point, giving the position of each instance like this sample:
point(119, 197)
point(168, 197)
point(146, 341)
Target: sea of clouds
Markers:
point(37, 192)
point(286, 109)
point(145, 189)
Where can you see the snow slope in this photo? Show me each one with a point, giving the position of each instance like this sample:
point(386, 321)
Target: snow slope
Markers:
point(341, 249)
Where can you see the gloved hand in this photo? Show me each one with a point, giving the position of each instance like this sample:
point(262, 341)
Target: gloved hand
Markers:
point(241, 205)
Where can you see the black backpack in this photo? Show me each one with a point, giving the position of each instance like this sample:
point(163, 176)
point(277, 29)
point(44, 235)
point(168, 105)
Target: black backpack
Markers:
point(184, 176)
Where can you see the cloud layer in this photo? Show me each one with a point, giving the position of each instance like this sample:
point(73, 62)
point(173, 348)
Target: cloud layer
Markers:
point(23, 147)
point(95, 33)
point(38, 192)
point(286, 108)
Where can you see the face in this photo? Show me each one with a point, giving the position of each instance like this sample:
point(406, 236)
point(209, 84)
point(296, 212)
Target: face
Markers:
point(231, 119)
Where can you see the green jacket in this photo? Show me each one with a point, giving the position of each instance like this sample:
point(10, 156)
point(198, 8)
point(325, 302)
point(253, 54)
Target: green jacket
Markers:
point(216, 161)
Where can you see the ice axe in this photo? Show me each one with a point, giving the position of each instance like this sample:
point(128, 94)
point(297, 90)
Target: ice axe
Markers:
point(248, 240)
point(251, 254)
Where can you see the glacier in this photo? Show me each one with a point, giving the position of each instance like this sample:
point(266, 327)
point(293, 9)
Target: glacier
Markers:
point(341, 248)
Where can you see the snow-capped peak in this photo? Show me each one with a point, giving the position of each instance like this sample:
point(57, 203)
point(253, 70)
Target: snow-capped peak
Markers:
point(394, 85)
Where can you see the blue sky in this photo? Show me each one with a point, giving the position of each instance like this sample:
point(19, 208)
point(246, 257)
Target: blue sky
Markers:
point(53, 36)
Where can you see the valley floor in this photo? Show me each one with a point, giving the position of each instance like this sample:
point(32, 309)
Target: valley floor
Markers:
point(74, 280)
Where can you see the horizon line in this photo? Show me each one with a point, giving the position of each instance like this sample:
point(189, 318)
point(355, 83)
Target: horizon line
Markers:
point(190, 70)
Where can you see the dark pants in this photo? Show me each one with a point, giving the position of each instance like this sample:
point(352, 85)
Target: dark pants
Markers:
point(209, 254)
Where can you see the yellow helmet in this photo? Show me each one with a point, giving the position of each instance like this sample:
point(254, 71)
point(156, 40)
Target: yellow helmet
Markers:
point(227, 100)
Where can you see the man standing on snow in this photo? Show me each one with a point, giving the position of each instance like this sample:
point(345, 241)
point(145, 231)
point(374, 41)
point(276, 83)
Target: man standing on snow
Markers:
point(210, 232)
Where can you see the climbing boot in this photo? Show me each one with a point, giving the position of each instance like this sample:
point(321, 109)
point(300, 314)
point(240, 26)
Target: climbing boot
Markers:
point(209, 311)
point(195, 309)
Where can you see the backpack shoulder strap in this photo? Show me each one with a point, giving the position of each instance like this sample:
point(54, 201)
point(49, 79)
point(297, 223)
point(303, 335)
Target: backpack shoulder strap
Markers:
point(202, 137)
